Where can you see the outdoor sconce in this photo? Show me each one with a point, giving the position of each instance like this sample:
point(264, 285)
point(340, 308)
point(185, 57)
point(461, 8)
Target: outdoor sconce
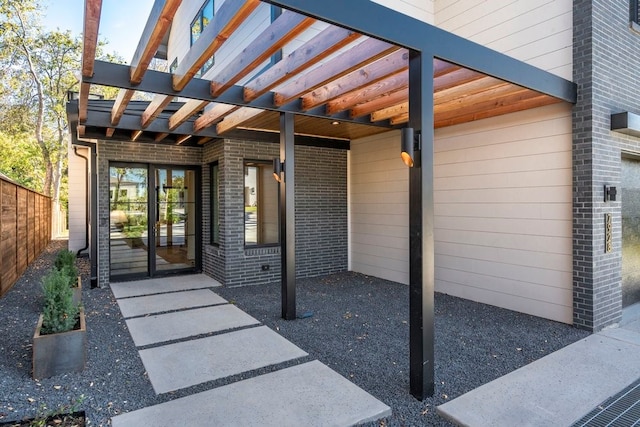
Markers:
point(610, 193)
point(410, 145)
point(277, 170)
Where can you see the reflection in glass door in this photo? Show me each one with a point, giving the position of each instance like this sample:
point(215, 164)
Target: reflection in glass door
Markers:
point(175, 226)
point(153, 220)
point(128, 216)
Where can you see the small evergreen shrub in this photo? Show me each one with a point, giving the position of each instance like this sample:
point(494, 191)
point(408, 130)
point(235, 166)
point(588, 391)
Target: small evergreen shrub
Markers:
point(63, 258)
point(71, 273)
point(60, 314)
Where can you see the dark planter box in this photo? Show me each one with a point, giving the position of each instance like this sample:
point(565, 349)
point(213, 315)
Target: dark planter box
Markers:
point(56, 354)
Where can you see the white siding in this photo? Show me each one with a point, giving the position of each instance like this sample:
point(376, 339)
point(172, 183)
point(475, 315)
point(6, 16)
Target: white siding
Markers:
point(419, 9)
point(77, 198)
point(538, 32)
point(502, 211)
point(379, 208)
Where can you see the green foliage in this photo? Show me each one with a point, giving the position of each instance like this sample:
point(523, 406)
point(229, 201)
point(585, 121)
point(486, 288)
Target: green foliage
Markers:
point(60, 313)
point(65, 258)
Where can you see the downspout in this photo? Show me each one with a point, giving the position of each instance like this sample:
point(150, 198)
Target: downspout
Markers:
point(86, 205)
point(93, 180)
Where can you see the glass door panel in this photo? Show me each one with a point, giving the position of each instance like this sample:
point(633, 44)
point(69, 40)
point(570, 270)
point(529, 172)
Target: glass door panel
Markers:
point(175, 227)
point(128, 221)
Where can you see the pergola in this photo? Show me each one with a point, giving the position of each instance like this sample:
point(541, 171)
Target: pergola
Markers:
point(371, 70)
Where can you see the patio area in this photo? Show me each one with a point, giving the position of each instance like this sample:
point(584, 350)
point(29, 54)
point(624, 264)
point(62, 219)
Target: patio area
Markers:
point(354, 324)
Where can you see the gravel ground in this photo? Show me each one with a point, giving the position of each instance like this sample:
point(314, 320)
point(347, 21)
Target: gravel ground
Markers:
point(359, 327)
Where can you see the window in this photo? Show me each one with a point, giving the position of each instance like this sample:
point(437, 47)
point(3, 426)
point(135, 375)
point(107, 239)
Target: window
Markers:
point(215, 203)
point(202, 19)
point(634, 15)
point(260, 204)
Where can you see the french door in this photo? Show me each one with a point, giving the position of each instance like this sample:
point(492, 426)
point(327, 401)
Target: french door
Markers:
point(154, 227)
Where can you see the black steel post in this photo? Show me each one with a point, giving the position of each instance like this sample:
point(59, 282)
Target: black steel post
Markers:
point(421, 250)
point(287, 218)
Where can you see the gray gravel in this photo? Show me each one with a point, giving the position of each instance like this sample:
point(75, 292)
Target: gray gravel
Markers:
point(359, 327)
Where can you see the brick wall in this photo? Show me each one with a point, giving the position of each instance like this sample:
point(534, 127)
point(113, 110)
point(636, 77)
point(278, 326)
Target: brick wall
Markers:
point(605, 66)
point(321, 214)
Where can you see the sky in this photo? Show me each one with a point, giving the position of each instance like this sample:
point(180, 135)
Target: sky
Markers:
point(121, 21)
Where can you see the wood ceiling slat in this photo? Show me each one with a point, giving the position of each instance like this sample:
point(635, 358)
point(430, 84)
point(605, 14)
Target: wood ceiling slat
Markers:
point(455, 78)
point(212, 115)
point(535, 101)
point(384, 101)
point(182, 139)
point(286, 27)
point(109, 132)
point(330, 40)
point(120, 105)
point(186, 111)
point(360, 55)
point(160, 136)
point(464, 89)
point(348, 100)
point(154, 109)
point(92, 11)
point(135, 135)
point(236, 118)
point(390, 112)
point(396, 62)
point(158, 23)
point(496, 92)
point(228, 18)
point(204, 140)
point(400, 119)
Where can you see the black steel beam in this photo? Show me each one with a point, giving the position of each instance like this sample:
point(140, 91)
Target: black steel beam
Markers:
point(117, 75)
point(287, 218)
point(377, 21)
point(421, 244)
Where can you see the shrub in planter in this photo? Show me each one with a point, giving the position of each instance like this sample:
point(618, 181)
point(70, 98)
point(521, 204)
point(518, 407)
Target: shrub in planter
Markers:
point(66, 262)
point(65, 258)
point(59, 343)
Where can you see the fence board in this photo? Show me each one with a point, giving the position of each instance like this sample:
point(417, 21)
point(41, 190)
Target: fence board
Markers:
point(25, 230)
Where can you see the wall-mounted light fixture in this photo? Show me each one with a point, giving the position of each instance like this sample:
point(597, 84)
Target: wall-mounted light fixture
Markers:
point(410, 145)
point(610, 193)
point(278, 167)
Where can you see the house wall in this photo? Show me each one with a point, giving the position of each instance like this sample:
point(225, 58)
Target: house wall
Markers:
point(122, 151)
point(503, 231)
point(419, 9)
point(77, 170)
point(321, 214)
point(606, 75)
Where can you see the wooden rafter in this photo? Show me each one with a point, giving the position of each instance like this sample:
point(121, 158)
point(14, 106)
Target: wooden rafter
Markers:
point(465, 89)
point(211, 116)
point(227, 19)
point(182, 139)
point(92, 11)
point(109, 132)
point(154, 109)
point(384, 101)
point(159, 21)
point(236, 118)
point(390, 84)
point(330, 40)
point(135, 135)
point(496, 92)
point(160, 136)
point(203, 140)
point(358, 56)
point(286, 27)
point(83, 100)
point(384, 67)
point(400, 119)
point(120, 104)
point(454, 78)
point(187, 110)
point(389, 112)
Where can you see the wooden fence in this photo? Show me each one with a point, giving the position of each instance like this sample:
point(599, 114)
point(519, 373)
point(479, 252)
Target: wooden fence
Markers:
point(25, 230)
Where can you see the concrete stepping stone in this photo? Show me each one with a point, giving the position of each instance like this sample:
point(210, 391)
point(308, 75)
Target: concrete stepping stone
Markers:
point(188, 323)
point(184, 364)
point(152, 304)
point(164, 284)
point(310, 394)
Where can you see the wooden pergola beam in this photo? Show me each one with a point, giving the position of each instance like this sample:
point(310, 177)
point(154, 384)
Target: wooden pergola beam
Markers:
point(120, 104)
point(390, 84)
point(465, 89)
point(384, 101)
point(109, 132)
point(389, 112)
point(236, 118)
point(358, 56)
point(382, 68)
point(92, 11)
point(454, 78)
point(400, 119)
point(286, 27)
point(187, 110)
point(228, 18)
point(83, 101)
point(472, 108)
point(160, 136)
point(330, 40)
point(135, 135)
point(154, 108)
point(158, 23)
point(498, 91)
point(217, 112)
